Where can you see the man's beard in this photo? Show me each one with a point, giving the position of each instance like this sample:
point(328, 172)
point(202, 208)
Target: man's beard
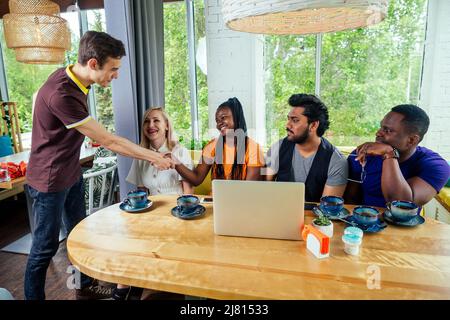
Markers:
point(302, 138)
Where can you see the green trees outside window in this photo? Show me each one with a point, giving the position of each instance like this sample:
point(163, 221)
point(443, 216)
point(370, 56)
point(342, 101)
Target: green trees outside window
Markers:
point(103, 96)
point(364, 73)
point(23, 81)
point(176, 70)
point(289, 69)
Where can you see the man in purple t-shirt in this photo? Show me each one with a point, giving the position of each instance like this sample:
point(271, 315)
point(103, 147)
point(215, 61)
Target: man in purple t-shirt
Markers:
point(61, 121)
point(395, 167)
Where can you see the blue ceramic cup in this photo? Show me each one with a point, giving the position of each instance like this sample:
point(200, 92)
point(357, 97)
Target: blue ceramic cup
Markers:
point(403, 210)
point(137, 199)
point(331, 205)
point(187, 203)
point(365, 215)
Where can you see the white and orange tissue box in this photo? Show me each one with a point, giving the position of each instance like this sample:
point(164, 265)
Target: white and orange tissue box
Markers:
point(316, 241)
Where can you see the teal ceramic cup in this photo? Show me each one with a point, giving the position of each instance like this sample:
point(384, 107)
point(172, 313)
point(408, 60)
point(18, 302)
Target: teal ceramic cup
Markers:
point(331, 205)
point(365, 215)
point(137, 199)
point(403, 210)
point(187, 203)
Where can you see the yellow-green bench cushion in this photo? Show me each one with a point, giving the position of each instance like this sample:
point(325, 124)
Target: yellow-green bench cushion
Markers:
point(205, 187)
point(444, 196)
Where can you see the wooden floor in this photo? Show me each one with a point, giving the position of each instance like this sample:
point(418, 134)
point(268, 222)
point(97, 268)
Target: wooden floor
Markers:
point(13, 225)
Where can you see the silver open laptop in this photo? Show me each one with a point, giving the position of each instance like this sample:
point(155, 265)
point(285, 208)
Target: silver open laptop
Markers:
point(258, 209)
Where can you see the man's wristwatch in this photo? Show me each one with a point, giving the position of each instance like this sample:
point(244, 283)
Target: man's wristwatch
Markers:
point(391, 154)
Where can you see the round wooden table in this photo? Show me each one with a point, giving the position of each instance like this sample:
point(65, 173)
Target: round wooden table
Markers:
point(156, 250)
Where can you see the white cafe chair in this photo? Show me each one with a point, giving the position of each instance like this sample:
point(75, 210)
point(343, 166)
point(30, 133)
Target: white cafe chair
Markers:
point(100, 185)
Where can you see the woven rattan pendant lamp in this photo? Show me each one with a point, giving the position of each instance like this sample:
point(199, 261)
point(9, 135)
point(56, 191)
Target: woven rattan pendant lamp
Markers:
point(301, 16)
point(36, 32)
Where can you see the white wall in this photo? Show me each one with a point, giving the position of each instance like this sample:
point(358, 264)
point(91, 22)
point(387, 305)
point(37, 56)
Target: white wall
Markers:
point(235, 69)
point(435, 91)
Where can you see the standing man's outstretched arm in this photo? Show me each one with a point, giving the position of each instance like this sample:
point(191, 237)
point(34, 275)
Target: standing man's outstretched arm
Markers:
point(122, 146)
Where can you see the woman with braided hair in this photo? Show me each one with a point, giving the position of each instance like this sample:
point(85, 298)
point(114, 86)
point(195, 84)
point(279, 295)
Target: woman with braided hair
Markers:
point(230, 156)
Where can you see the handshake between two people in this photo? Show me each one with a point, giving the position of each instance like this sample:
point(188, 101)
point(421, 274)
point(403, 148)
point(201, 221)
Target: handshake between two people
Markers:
point(165, 161)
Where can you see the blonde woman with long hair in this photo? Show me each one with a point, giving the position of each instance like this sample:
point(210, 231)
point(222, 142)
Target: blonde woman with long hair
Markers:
point(157, 135)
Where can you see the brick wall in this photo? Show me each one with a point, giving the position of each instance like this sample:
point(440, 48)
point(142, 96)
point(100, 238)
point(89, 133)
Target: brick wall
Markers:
point(435, 91)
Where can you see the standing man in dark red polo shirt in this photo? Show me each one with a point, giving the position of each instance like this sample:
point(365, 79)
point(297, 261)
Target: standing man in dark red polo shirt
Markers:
point(60, 123)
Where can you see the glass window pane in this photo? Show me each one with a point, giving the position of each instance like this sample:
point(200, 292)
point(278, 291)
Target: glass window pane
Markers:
point(201, 62)
point(365, 72)
point(102, 96)
point(74, 25)
point(96, 20)
point(289, 68)
point(176, 69)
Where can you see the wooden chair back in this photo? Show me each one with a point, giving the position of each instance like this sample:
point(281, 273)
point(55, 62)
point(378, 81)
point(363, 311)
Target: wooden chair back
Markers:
point(8, 110)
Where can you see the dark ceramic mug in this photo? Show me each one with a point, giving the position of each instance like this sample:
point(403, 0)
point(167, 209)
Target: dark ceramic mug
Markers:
point(136, 199)
point(365, 215)
point(331, 205)
point(403, 210)
point(187, 203)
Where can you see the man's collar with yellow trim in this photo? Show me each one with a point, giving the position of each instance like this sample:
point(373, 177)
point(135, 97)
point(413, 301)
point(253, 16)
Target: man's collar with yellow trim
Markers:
point(75, 79)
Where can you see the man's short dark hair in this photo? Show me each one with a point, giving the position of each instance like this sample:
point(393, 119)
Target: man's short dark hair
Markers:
point(100, 46)
point(415, 119)
point(315, 110)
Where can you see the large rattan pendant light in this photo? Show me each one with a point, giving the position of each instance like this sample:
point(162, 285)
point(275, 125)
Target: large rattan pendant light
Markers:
point(36, 32)
point(301, 16)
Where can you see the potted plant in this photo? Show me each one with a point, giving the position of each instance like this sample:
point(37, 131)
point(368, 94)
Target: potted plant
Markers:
point(323, 224)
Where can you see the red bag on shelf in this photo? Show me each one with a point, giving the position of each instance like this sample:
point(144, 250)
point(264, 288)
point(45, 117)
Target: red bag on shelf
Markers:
point(15, 170)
